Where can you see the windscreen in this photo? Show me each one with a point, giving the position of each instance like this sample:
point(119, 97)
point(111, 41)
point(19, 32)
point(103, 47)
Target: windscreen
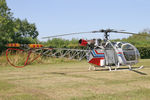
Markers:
point(130, 52)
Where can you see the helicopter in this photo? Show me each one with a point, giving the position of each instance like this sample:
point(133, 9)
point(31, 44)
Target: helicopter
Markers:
point(104, 53)
point(99, 53)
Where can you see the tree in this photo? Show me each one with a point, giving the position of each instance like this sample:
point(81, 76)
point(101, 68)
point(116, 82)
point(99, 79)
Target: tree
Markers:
point(6, 24)
point(23, 29)
point(13, 29)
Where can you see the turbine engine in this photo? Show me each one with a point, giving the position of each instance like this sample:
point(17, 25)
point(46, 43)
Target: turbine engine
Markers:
point(91, 43)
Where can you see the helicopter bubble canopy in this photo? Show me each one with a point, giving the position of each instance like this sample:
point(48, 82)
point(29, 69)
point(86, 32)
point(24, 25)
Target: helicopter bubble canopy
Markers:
point(130, 52)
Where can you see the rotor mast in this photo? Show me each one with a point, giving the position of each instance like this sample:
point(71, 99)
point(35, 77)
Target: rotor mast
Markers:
point(105, 33)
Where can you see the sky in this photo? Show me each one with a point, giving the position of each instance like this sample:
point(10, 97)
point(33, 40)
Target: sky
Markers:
point(54, 17)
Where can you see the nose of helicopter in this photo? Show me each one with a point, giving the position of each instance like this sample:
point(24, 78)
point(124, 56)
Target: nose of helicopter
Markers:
point(130, 52)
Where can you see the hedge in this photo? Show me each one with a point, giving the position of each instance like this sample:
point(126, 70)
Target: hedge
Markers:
point(144, 52)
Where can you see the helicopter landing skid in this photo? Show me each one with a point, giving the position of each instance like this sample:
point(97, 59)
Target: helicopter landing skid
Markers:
point(129, 68)
point(92, 68)
point(116, 69)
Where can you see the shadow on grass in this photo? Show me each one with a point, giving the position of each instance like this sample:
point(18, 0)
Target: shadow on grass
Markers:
point(59, 73)
point(119, 69)
point(139, 72)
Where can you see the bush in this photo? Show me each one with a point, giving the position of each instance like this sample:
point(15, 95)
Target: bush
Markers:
point(144, 52)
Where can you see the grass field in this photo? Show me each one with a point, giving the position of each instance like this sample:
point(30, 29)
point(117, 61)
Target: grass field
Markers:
point(72, 81)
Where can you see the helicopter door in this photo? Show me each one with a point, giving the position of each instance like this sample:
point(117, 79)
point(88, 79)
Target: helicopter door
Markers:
point(111, 56)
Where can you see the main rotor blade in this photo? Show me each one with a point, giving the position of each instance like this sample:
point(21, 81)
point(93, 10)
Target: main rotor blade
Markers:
point(64, 35)
point(71, 34)
point(125, 32)
point(132, 33)
point(99, 31)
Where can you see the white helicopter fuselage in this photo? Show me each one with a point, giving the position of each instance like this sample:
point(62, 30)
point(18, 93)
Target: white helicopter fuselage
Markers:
point(113, 54)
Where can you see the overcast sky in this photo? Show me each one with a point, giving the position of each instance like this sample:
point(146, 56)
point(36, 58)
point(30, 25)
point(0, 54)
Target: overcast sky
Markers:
point(64, 16)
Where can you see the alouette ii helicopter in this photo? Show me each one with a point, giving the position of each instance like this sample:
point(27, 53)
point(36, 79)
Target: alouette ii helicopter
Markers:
point(99, 53)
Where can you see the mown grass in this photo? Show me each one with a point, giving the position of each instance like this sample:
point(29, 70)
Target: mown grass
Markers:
point(70, 80)
point(140, 94)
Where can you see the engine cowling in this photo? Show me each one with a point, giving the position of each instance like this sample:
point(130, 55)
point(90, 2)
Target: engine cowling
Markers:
point(83, 42)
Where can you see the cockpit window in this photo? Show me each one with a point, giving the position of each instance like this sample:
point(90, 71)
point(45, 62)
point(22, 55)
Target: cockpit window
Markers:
point(129, 55)
point(113, 43)
point(129, 52)
point(127, 47)
point(138, 54)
